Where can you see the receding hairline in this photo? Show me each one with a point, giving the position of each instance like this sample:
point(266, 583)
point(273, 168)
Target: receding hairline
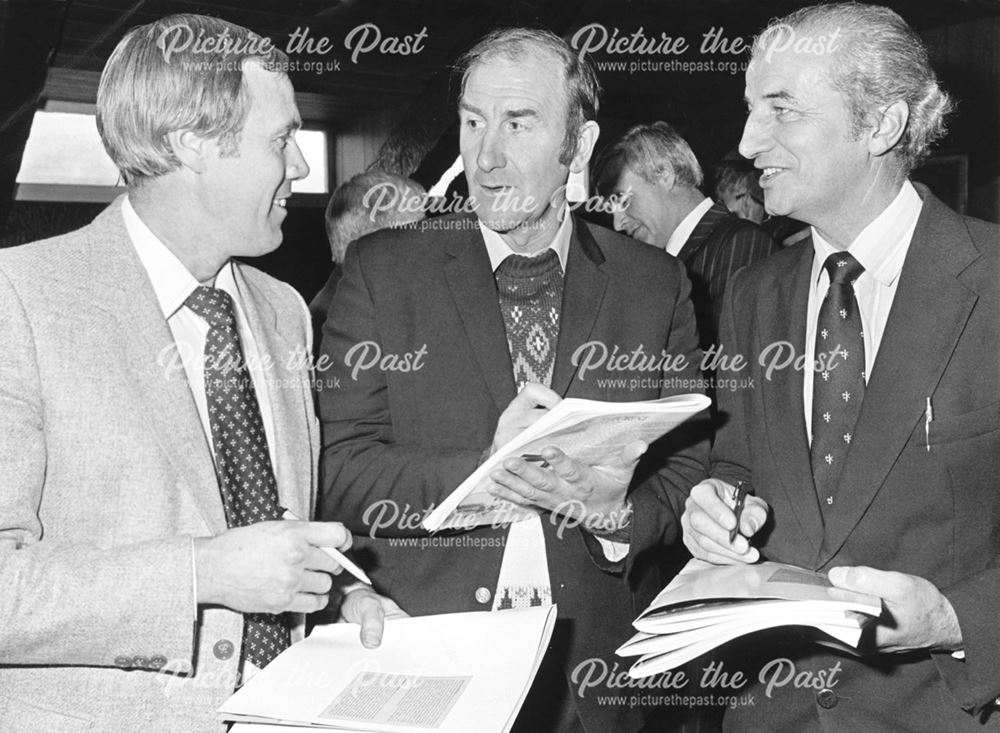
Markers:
point(521, 52)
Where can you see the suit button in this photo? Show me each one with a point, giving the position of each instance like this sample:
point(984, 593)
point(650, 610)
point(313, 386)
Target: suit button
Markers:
point(157, 662)
point(483, 595)
point(123, 662)
point(223, 649)
point(140, 663)
point(827, 699)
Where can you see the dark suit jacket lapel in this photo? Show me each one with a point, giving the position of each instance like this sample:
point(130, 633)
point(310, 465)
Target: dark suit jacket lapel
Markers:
point(928, 314)
point(470, 278)
point(583, 293)
point(702, 231)
point(782, 393)
point(120, 287)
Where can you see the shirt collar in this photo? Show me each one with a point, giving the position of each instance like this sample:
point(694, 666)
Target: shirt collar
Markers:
point(172, 282)
point(882, 245)
point(499, 250)
point(680, 235)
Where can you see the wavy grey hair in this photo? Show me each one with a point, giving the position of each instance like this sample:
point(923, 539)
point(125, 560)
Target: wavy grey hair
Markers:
point(878, 60)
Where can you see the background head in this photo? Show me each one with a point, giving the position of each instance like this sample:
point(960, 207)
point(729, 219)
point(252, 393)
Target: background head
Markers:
point(736, 187)
point(655, 179)
point(368, 202)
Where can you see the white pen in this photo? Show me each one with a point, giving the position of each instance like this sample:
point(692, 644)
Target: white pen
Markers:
point(928, 416)
point(342, 559)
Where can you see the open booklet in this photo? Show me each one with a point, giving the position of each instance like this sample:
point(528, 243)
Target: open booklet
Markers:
point(590, 431)
point(450, 673)
point(708, 605)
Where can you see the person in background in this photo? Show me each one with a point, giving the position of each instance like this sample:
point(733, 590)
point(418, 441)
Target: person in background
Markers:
point(656, 181)
point(367, 202)
point(737, 189)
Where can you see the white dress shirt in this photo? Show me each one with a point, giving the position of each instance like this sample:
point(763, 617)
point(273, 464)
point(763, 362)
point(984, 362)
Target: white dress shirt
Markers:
point(881, 248)
point(173, 283)
point(680, 235)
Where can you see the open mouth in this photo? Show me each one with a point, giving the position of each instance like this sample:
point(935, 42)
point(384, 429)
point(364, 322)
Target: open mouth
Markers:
point(282, 202)
point(768, 174)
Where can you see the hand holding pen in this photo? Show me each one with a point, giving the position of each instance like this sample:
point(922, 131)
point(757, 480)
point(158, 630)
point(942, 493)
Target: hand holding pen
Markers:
point(718, 520)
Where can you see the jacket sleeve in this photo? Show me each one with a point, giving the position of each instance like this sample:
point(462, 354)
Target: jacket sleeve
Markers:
point(680, 458)
point(369, 481)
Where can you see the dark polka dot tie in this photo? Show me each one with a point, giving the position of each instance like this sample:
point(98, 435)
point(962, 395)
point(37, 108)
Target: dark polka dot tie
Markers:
point(243, 464)
point(839, 386)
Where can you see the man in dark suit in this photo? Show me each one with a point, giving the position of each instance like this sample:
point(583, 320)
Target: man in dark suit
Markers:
point(433, 330)
point(369, 201)
point(880, 466)
point(656, 180)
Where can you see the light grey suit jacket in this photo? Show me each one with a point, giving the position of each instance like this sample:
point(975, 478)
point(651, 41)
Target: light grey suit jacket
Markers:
point(106, 475)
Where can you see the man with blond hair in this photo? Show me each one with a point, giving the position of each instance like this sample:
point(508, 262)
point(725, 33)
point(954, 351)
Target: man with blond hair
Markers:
point(156, 417)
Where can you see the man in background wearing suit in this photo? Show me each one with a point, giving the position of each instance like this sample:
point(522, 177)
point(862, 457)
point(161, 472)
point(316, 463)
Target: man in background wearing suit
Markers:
point(367, 202)
point(880, 465)
point(432, 331)
point(155, 407)
point(656, 179)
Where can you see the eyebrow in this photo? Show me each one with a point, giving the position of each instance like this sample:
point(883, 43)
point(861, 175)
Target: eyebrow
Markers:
point(509, 114)
point(782, 95)
point(289, 127)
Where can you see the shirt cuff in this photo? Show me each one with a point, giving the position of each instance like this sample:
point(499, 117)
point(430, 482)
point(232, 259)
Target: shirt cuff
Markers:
point(614, 551)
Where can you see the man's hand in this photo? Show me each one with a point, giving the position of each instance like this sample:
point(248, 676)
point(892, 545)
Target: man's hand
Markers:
point(530, 404)
point(569, 487)
point(919, 616)
point(364, 606)
point(269, 567)
point(708, 518)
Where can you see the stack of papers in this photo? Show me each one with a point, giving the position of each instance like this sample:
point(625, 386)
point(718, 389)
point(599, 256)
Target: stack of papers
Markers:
point(451, 673)
point(708, 605)
point(590, 431)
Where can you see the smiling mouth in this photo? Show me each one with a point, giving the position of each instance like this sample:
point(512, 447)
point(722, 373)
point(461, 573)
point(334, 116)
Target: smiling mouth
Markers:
point(282, 202)
point(768, 174)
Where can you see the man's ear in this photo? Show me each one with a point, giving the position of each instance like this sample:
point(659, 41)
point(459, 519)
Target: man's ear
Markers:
point(889, 127)
point(190, 148)
point(586, 139)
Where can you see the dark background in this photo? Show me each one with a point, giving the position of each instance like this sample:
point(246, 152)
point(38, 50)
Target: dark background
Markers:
point(397, 111)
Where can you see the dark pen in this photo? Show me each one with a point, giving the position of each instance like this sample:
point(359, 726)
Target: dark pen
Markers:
point(742, 491)
point(535, 458)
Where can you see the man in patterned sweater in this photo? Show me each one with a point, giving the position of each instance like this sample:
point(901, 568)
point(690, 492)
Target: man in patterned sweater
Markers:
point(450, 337)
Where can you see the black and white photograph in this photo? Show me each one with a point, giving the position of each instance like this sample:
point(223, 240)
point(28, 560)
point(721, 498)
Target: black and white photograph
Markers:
point(468, 366)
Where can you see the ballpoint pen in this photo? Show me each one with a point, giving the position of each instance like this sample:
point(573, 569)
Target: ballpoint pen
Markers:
point(342, 559)
point(742, 490)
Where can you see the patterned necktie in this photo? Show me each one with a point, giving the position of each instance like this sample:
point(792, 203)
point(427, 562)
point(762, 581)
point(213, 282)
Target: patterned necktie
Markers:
point(243, 464)
point(839, 389)
point(530, 291)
